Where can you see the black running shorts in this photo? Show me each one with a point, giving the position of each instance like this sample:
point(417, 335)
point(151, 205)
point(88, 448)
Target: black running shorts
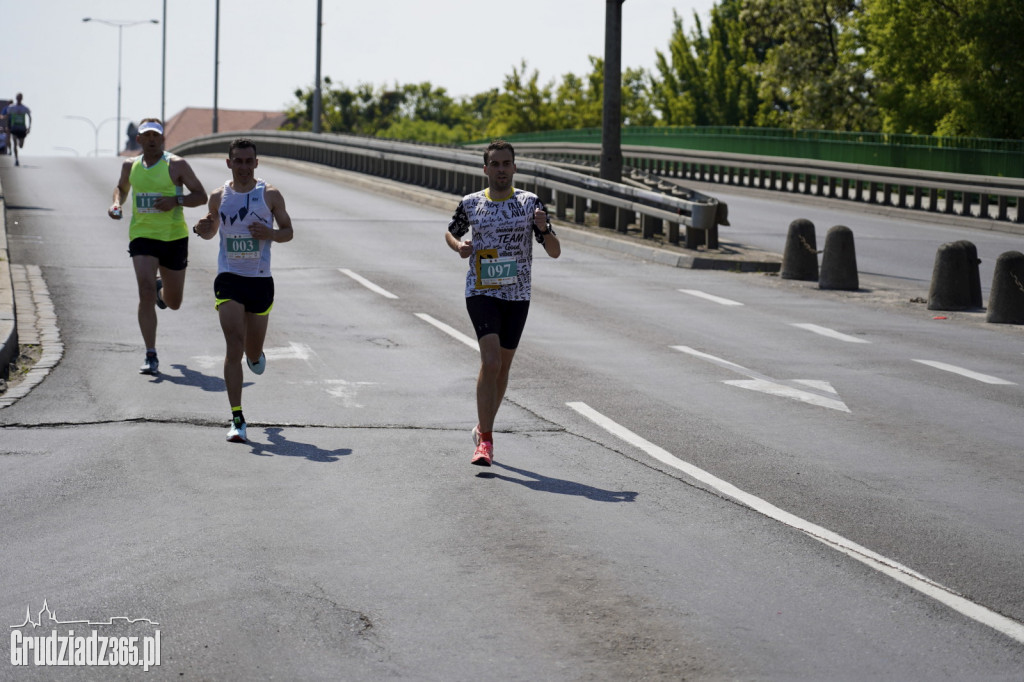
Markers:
point(172, 255)
point(492, 315)
point(255, 293)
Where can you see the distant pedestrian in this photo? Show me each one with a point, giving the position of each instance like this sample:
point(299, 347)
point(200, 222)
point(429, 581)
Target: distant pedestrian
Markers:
point(503, 220)
point(244, 210)
point(19, 123)
point(158, 234)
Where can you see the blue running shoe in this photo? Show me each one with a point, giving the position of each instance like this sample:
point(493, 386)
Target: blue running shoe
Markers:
point(150, 365)
point(258, 366)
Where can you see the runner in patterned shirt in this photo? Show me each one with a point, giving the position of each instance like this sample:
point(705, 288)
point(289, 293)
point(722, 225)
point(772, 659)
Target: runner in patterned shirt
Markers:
point(503, 220)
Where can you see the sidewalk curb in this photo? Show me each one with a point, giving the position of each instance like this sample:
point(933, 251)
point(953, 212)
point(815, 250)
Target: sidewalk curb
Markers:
point(8, 326)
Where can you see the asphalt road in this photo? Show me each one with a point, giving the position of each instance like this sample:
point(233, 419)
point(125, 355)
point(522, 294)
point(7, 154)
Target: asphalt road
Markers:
point(699, 474)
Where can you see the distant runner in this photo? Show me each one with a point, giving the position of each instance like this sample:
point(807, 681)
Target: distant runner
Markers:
point(19, 123)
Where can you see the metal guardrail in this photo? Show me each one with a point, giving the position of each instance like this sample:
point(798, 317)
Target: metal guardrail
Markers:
point(977, 196)
point(459, 172)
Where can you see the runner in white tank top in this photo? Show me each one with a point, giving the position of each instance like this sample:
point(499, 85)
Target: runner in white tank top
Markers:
point(244, 211)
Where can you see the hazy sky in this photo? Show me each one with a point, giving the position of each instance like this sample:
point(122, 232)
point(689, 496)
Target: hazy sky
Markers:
point(67, 67)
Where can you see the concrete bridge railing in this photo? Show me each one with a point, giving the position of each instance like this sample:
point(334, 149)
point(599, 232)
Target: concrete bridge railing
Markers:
point(460, 172)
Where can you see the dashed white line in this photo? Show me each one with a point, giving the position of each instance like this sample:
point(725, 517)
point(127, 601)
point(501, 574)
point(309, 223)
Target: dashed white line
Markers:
point(893, 569)
point(710, 297)
point(977, 376)
point(830, 333)
point(367, 283)
point(451, 331)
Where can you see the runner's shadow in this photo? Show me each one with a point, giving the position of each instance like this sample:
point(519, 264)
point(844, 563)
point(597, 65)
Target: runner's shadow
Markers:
point(282, 447)
point(561, 486)
point(210, 384)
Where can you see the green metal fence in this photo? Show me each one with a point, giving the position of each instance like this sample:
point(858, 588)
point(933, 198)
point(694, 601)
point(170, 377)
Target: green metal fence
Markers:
point(974, 156)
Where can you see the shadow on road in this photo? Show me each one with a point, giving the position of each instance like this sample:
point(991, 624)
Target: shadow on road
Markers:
point(280, 446)
point(210, 384)
point(557, 485)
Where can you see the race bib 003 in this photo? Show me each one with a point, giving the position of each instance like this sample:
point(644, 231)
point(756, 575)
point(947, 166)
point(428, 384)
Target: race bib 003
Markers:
point(242, 247)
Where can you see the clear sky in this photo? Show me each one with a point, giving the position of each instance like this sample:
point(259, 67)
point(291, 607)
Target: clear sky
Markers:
point(67, 67)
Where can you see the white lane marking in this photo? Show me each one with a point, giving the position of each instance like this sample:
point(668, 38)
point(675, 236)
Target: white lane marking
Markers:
point(367, 283)
point(821, 394)
point(710, 297)
point(977, 376)
point(451, 331)
point(889, 567)
point(830, 333)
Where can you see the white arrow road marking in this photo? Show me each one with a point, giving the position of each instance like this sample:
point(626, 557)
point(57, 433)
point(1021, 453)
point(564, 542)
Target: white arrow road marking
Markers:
point(710, 297)
point(343, 390)
point(294, 351)
point(966, 373)
point(821, 394)
point(367, 283)
point(830, 333)
point(880, 563)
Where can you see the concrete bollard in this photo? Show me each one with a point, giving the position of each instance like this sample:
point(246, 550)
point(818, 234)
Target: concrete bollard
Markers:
point(951, 283)
point(1006, 300)
point(839, 261)
point(800, 259)
point(973, 275)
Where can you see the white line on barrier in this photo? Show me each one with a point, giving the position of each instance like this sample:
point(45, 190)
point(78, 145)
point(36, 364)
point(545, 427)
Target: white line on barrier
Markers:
point(367, 283)
point(893, 569)
point(977, 376)
point(830, 333)
point(451, 331)
point(710, 297)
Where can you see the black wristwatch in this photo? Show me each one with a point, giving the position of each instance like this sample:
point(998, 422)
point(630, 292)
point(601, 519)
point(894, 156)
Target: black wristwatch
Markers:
point(181, 200)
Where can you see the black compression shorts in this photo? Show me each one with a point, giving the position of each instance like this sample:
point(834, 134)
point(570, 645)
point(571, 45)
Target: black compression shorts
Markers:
point(492, 315)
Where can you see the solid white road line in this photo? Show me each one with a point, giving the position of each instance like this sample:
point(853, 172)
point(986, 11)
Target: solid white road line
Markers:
point(893, 569)
point(966, 373)
point(710, 297)
point(830, 333)
point(367, 283)
point(451, 331)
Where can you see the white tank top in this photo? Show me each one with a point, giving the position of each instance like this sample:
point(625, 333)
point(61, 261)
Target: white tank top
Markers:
point(240, 252)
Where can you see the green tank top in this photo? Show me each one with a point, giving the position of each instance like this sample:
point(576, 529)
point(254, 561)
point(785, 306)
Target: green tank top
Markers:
point(148, 185)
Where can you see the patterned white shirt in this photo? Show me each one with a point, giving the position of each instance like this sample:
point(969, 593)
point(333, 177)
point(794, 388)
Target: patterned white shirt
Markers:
point(502, 250)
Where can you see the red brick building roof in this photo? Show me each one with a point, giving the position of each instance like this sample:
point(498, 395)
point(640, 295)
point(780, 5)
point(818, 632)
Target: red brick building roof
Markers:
point(194, 122)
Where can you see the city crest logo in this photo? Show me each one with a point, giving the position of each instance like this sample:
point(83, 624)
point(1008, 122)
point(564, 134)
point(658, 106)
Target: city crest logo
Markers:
point(80, 643)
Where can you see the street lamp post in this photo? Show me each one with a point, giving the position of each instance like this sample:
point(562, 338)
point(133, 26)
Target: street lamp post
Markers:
point(95, 129)
point(120, 27)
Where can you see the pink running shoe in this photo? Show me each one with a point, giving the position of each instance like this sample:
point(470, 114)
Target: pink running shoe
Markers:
point(484, 454)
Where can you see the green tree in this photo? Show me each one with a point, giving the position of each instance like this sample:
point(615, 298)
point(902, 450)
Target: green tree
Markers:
point(707, 79)
point(948, 67)
point(813, 75)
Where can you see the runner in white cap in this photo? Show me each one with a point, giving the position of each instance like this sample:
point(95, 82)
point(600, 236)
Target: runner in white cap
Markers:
point(158, 235)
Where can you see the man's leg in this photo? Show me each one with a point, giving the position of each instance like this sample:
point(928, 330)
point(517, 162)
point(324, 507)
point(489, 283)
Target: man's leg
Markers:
point(255, 335)
point(232, 322)
point(145, 277)
point(173, 290)
point(491, 383)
